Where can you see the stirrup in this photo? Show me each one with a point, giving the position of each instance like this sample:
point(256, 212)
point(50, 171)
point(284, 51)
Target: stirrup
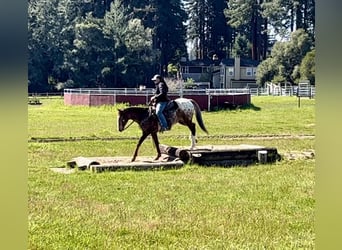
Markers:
point(163, 129)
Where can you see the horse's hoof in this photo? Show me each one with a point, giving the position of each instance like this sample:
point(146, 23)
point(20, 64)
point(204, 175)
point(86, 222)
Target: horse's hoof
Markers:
point(133, 160)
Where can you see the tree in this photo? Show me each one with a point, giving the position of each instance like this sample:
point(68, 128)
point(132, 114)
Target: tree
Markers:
point(43, 30)
point(166, 19)
point(196, 25)
point(266, 71)
point(241, 47)
point(285, 16)
point(207, 28)
point(132, 46)
point(139, 58)
point(90, 54)
point(284, 58)
point(117, 43)
point(51, 34)
point(258, 19)
point(247, 20)
point(307, 67)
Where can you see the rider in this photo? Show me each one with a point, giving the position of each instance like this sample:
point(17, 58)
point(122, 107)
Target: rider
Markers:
point(161, 99)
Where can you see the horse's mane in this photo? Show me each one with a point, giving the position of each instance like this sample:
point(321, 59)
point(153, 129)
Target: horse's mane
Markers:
point(137, 111)
point(136, 108)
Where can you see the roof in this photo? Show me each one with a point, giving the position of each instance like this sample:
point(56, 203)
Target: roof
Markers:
point(197, 62)
point(244, 62)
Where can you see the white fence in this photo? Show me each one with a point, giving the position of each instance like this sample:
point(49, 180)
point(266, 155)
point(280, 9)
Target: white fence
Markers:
point(150, 91)
point(284, 91)
point(275, 91)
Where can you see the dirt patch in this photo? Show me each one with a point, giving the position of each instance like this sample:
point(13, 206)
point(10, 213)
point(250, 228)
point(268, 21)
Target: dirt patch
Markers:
point(63, 170)
point(295, 155)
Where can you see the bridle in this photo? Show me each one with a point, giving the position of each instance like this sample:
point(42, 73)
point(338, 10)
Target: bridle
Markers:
point(128, 125)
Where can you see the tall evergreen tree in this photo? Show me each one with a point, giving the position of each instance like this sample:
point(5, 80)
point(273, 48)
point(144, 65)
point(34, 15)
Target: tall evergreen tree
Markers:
point(51, 31)
point(246, 17)
point(220, 37)
point(166, 19)
point(286, 16)
point(50, 35)
point(197, 25)
point(207, 28)
point(132, 46)
point(90, 54)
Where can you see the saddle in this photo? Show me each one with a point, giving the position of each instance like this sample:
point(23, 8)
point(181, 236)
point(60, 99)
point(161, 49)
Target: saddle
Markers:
point(168, 112)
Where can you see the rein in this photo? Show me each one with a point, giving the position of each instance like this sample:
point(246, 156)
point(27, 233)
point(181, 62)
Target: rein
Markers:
point(128, 125)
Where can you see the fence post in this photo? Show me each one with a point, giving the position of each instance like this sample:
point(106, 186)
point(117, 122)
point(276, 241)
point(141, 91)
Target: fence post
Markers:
point(262, 156)
point(310, 93)
point(208, 100)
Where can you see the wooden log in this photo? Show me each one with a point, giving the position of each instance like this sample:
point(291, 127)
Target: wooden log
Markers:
point(181, 153)
point(234, 155)
point(100, 164)
point(136, 166)
point(224, 155)
point(82, 162)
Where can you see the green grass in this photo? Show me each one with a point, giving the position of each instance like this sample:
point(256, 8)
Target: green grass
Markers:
point(277, 115)
point(258, 207)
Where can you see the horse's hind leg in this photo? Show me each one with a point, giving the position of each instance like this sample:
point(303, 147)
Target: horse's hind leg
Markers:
point(192, 127)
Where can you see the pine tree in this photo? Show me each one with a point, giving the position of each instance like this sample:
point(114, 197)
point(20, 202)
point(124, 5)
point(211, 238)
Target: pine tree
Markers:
point(208, 29)
point(246, 17)
point(132, 46)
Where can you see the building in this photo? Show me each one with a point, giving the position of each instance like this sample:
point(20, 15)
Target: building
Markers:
point(222, 74)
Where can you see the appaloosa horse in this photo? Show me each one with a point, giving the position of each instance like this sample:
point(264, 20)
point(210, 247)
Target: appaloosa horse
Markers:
point(180, 110)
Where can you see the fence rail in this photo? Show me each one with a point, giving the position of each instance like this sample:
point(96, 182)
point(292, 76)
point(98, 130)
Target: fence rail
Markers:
point(46, 94)
point(284, 91)
point(150, 91)
point(279, 91)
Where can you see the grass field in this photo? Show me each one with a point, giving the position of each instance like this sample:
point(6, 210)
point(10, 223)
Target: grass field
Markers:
point(257, 207)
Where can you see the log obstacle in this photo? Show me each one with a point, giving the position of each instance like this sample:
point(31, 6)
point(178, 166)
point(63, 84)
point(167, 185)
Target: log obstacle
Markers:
point(101, 164)
point(176, 157)
point(223, 155)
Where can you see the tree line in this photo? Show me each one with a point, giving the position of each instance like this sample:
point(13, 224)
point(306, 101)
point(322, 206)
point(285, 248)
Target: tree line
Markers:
point(122, 43)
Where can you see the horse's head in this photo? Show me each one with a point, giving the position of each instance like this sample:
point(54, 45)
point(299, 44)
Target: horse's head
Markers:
point(122, 120)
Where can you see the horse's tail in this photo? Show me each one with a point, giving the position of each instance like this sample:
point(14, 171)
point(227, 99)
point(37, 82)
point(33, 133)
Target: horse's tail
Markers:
point(199, 116)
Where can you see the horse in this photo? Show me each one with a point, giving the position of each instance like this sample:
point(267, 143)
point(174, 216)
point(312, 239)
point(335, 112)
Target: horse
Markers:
point(180, 110)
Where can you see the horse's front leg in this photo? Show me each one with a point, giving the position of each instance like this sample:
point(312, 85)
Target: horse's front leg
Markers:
point(142, 138)
point(156, 143)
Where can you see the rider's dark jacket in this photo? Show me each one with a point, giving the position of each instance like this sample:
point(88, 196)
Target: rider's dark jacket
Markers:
point(161, 92)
